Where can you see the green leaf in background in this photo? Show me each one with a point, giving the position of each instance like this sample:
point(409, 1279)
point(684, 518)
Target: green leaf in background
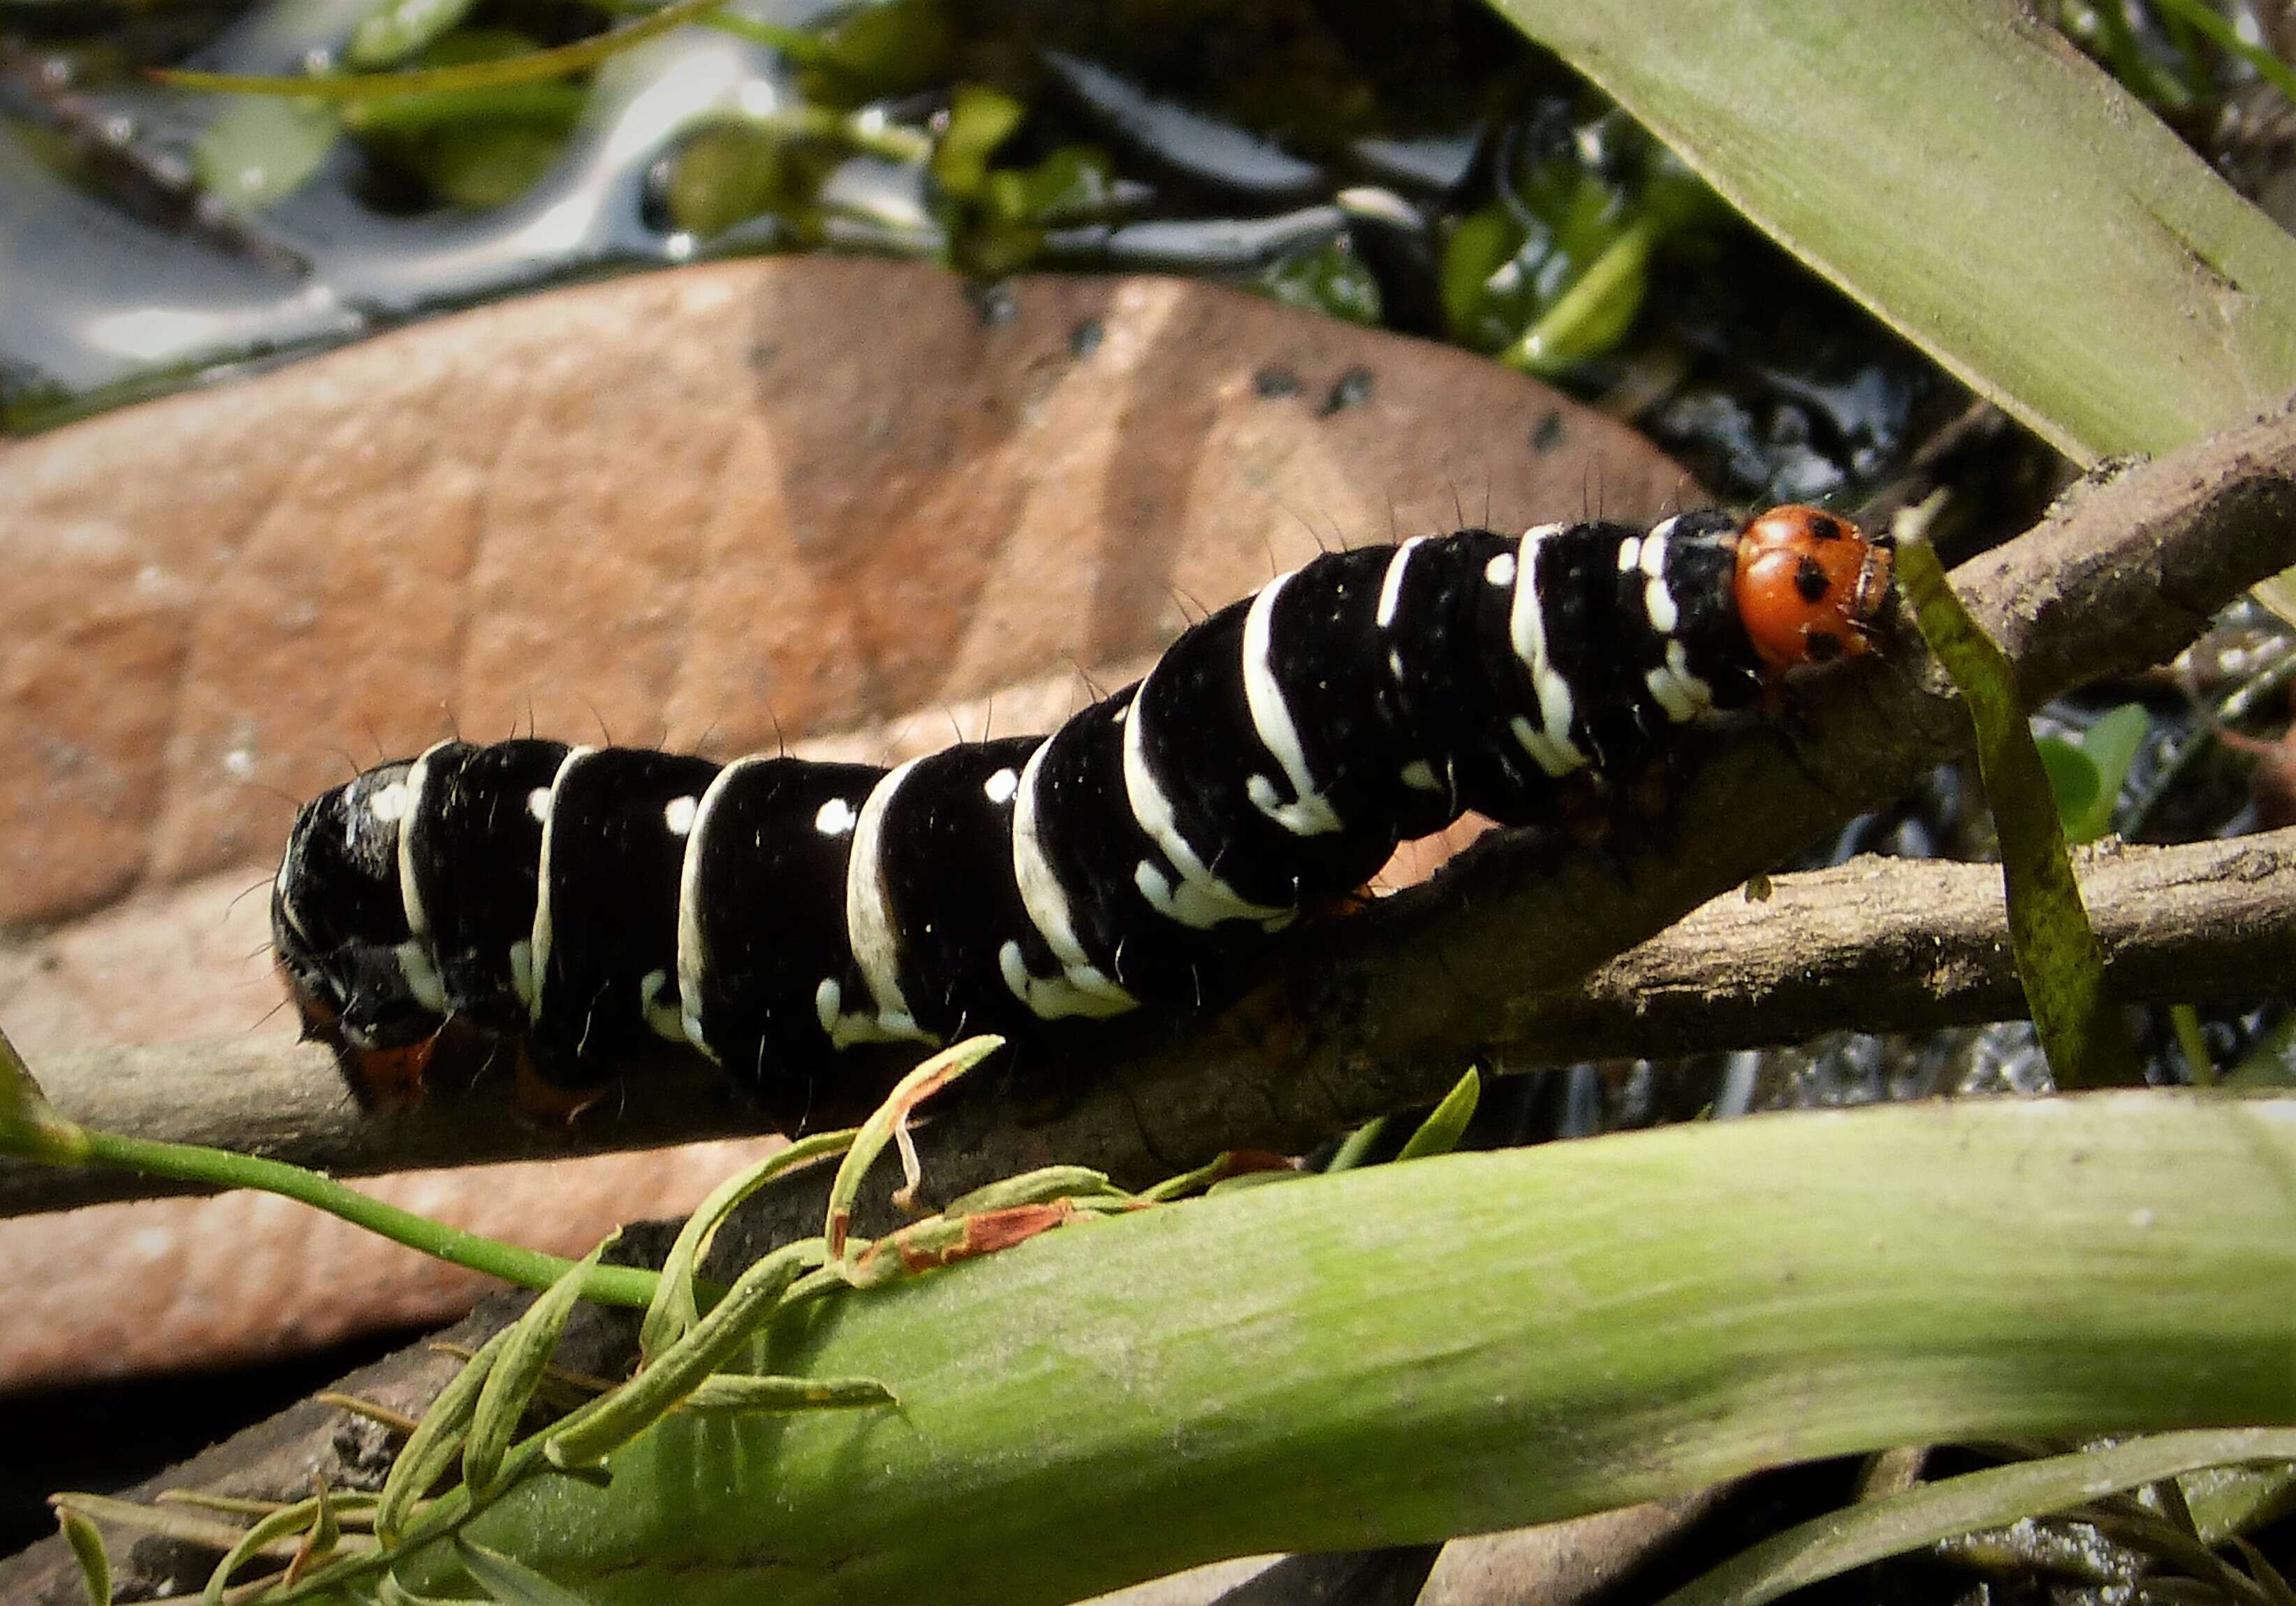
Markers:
point(1982, 188)
point(2087, 777)
point(395, 29)
point(1829, 1545)
point(258, 150)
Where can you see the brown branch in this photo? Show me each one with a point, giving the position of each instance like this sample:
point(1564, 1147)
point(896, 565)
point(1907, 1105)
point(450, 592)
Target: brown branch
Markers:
point(1877, 944)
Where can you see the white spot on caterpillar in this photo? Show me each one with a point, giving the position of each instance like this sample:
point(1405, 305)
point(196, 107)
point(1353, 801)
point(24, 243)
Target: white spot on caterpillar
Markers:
point(677, 814)
point(1271, 719)
point(1548, 742)
point(1630, 554)
point(537, 804)
point(833, 818)
point(1083, 990)
point(421, 975)
point(1081, 987)
point(1500, 570)
point(1000, 787)
point(1390, 587)
point(1681, 693)
point(661, 1013)
point(1395, 664)
point(389, 803)
point(1657, 600)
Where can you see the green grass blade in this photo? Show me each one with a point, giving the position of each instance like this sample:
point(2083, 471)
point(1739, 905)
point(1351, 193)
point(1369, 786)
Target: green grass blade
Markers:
point(2059, 959)
point(1833, 1543)
point(1402, 1353)
point(517, 1371)
point(1982, 187)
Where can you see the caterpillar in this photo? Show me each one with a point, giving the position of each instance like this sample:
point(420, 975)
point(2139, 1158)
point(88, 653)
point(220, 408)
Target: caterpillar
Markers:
point(588, 902)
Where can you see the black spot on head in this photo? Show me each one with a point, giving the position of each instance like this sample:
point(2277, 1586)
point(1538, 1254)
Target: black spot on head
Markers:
point(1275, 384)
point(1825, 527)
point(1350, 389)
point(1085, 339)
point(1821, 646)
point(1548, 435)
point(1811, 581)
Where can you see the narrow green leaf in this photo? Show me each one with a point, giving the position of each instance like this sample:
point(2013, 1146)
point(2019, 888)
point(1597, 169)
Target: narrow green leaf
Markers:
point(511, 1582)
point(390, 1592)
point(2073, 782)
point(155, 1520)
point(2059, 959)
point(1832, 1544)
point(1356, 1149)
point(2112, 744)
point(1982, 188)
point(2225, 1501)
point(613, 1419)
point(517, 1371)
point(1030, 1187)
point(733, 1392)
point(675, 1308)
point(286, 1520)
point(437, 1441)
point(1446, 1123)
point(888, 1124)
point(88, 1549)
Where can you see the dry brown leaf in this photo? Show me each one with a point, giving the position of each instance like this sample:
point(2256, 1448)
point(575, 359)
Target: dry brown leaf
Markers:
point(692, 508)
point(843, 502)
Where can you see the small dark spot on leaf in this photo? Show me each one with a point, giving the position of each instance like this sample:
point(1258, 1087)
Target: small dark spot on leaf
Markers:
point(763, 353)
point(1352, 389)
point(1085, 339)
point(1547, 434)
point(1275, 384)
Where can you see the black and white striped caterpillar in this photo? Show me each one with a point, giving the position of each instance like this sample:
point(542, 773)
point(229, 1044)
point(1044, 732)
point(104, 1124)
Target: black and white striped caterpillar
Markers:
point(587, 902)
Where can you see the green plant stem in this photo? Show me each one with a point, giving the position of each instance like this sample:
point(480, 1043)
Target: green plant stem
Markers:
point(216, 1167)
point(1406, 1352)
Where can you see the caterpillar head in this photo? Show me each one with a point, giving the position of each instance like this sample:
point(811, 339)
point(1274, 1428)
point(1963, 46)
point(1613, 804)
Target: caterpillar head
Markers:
point(339, 929)
point(1811, 586)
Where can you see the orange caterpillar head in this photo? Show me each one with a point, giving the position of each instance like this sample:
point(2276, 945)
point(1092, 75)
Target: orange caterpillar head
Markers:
point(1809, 587)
